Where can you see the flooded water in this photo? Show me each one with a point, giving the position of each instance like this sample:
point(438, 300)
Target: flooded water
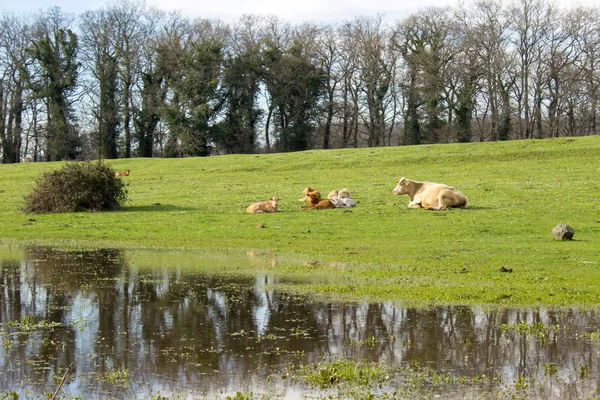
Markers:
point(97, 325)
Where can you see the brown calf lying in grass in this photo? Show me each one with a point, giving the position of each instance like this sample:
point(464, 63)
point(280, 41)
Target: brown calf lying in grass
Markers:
point(122, 173)
point(269, 206)
point(317, 203)
point(429, 195)
point(307, 191)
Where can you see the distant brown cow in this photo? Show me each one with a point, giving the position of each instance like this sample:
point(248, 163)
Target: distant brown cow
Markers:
point(317, 203)
point(429, 195)
point(122, 173)
point(269, 206)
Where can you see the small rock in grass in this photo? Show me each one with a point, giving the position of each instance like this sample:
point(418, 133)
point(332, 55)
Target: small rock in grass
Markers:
point(563, 232)
point(503, 269)
point(260, 226)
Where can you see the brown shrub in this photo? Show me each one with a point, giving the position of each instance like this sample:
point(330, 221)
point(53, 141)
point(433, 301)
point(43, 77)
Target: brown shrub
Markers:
point(77, 186)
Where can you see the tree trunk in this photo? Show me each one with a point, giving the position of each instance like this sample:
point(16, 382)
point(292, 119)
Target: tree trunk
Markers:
point(2, 121)
point(127, 113)
point(267, 124)
point(346, 119)
point(18, 118)
point(327, 129)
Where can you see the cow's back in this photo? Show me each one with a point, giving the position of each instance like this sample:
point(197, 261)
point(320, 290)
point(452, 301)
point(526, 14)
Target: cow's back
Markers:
point(433, 189)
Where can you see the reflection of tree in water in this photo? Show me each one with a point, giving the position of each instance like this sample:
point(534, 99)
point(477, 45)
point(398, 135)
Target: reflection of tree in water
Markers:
point(186, 330)
point(198, 324)
point(11, 358)
point(40, 290)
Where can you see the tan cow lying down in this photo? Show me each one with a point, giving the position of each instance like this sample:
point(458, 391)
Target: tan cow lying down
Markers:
point(341, 198)
point(429, 195)
point(268, 206)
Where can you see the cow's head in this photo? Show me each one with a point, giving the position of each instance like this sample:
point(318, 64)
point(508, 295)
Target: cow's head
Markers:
point(308, 189)
point(402, 186)
point(344, 193)
point(315, 197)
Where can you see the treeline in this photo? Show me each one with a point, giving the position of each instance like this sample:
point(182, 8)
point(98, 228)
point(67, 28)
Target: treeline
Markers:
point(131, 81)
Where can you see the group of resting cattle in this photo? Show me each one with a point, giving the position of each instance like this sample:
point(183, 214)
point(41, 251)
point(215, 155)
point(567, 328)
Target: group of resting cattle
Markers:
point(428, 195)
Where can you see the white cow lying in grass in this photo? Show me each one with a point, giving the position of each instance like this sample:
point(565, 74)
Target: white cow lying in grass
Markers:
point(429, 195)
point(341, 198)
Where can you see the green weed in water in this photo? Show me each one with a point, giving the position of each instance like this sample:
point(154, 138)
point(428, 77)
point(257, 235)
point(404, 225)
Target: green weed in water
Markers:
point(550, 369)
point(326, 374)
point(592, 335)
point(584, 372)
point(535, 329)
point(117, 376)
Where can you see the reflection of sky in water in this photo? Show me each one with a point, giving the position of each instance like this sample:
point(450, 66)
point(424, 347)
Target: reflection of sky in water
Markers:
point(184, 332)
point(260, 312)
point(84, 317)
point(32, 297)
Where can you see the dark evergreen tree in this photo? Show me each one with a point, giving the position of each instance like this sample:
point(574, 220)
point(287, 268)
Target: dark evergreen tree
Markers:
point(294, 85)
point(198, 97)
point(108, 116)
point(55, 51)
point(237, 133)
point(147, 117)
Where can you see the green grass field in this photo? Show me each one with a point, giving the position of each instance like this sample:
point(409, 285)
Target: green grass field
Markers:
point(518, 191)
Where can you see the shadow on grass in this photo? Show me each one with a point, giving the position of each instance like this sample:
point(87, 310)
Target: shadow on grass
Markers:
point(155, 207)
point(476, 208)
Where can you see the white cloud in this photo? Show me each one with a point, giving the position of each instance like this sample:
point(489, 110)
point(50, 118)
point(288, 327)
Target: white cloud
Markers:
point(326, 11)
point(295, 12)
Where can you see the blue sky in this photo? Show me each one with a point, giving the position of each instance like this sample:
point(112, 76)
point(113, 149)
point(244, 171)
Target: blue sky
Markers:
point(290, 11)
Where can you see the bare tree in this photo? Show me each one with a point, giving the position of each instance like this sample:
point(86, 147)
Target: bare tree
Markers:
point(587, 39)
point(427, 42)
point(351, 85)
point(561, 54)
point(14, 82)
point(330, 54)
point(488, 27)
point(99, 51)
point(530, 20)
point(129, 19)
point(376, 66)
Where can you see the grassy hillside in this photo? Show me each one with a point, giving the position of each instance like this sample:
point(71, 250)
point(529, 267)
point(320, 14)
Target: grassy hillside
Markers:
point(518, 191)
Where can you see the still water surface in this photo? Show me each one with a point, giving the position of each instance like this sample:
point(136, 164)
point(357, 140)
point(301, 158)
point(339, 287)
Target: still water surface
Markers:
point(126, 331)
